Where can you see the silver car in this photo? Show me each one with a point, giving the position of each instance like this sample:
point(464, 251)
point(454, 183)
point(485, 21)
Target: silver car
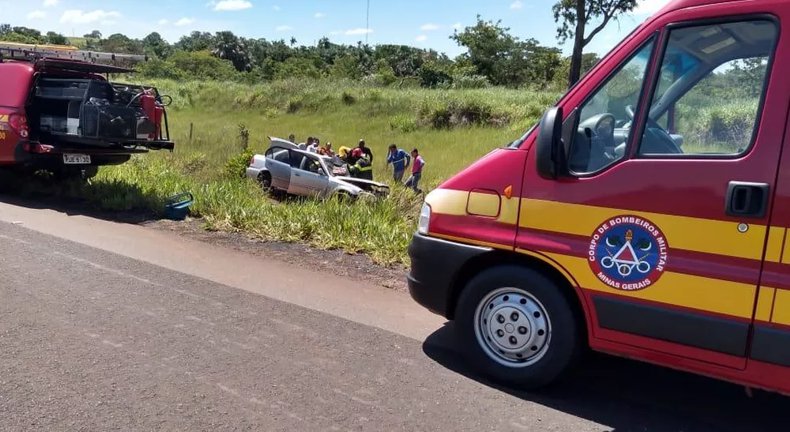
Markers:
point(286, 168)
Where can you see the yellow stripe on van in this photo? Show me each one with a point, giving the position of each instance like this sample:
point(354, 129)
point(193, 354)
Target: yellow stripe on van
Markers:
point(447, 202)
point(454, 203)
point(776, 241)
point(681, 232)
point(781, 313)
point(696, 292)
point(3, 118)
point(765, 302)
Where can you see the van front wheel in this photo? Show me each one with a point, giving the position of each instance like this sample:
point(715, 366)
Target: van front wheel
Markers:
point(516, 327)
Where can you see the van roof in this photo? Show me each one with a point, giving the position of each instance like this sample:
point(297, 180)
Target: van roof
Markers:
point(15, 86)
point(682, 4)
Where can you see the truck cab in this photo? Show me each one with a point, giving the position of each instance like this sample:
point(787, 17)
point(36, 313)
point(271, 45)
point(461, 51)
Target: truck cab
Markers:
point(646, 216)
point(64, 116)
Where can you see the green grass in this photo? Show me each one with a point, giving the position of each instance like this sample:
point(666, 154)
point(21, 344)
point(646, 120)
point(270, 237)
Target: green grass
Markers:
point(479, 121)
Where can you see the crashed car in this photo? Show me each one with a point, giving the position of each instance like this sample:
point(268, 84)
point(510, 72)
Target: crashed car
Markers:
point(287, 169)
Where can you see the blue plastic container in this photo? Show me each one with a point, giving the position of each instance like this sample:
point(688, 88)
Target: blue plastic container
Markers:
point(177, 206)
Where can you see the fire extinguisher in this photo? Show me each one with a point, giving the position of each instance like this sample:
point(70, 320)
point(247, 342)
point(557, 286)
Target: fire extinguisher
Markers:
point(153, 110)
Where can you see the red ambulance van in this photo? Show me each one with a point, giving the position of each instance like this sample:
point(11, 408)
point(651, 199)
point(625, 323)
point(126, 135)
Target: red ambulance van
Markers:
point(646, 216)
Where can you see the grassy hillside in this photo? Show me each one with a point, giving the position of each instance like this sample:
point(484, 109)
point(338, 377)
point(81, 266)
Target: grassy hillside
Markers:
point(451, 129)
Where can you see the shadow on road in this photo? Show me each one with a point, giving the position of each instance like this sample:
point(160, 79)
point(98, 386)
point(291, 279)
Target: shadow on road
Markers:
point(626, 395)
point(109, 200)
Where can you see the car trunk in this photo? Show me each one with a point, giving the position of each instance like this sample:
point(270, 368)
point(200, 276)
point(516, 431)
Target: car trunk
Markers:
point(72, 105)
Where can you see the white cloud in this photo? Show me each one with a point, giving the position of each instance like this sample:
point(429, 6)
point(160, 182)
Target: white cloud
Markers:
point(36, 15)
point(334, 33)
point(516, 5)
point(232, 5)
point(276, 8)
point(421, 38)
point(429, 27)
point(649, 7)
point(51, 3)
point(319, 15)
point(283, 28)
point(163, 22)
point(457, 25)
point(358, 31)
point(184, 22)
point(76, 16)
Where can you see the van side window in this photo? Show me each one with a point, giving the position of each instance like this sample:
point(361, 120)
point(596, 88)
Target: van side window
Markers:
point(711, 82)
point(605, 118)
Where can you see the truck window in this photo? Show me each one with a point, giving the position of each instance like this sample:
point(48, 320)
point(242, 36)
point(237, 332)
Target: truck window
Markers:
point(605, 118)
point(710, 85)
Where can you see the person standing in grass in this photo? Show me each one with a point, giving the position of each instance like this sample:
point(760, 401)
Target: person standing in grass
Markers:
point(416, 171)
point(366, 160)
point(400, 160)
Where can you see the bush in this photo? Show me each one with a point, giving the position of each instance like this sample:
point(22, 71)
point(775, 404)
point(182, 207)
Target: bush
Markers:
point(236, 166)
point(348, 98)
point(404, 123)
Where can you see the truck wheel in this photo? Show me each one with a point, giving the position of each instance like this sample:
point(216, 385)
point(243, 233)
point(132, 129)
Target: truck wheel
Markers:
point(516, 327)
point(90, 172)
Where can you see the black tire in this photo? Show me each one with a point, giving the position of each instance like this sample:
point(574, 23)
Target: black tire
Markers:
point(266, 181)
point(90, 172)
point(71, 173)
point(531, 292)
point(344, 196)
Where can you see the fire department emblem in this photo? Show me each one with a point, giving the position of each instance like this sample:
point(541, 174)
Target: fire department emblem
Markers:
point(628, 253)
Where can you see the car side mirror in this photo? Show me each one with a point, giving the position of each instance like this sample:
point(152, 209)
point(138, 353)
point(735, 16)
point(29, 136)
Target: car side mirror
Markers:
point(550, 151)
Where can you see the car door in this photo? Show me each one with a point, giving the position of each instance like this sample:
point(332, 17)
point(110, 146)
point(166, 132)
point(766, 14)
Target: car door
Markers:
point(665, 233)
point(309, 179)
point(278, 163)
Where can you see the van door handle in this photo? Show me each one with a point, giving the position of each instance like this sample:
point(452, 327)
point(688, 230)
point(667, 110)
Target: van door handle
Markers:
point(746, 199)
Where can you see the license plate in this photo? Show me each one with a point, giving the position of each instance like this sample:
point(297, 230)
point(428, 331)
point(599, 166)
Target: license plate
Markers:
point(76, 159)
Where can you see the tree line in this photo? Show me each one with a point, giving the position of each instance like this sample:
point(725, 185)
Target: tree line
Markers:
point(493, 55)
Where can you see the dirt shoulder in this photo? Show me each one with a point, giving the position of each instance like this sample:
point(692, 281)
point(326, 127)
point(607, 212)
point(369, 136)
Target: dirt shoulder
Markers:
point(337, 262)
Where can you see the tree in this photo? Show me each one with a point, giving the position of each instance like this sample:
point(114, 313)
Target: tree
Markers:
point(5, 29)
point(154, 44)
point(118, 43)
point(572, 18)
point(228, 46)
point(56, 39)
point(196, 41)
point(93, 35)
point(503, 58)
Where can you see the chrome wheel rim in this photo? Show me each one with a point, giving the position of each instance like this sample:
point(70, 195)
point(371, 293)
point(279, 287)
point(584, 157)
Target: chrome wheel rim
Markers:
point(512, 327)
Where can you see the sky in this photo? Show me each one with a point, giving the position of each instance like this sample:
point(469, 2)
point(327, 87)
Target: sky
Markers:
point(421, 23)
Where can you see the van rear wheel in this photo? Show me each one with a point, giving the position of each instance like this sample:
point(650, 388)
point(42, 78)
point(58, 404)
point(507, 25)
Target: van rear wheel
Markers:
point(517, 327)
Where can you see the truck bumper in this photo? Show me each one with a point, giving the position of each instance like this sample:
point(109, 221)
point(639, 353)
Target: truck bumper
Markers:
point(435, 265)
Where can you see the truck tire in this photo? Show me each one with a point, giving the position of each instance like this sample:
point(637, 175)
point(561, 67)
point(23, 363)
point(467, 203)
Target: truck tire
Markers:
point(517, 327)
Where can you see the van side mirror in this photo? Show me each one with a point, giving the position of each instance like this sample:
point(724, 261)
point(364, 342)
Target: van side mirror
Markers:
point(550, 152)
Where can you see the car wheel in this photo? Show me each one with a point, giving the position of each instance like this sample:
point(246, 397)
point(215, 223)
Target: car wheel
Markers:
point(344, 196)
point(517, 327)
point(266, 181)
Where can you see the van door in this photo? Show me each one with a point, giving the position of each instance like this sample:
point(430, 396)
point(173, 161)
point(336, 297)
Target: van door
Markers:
point(663, 218)
point(771, 338)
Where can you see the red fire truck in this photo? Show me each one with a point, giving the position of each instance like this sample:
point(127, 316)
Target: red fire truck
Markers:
point(59, 112)
point(646, 216)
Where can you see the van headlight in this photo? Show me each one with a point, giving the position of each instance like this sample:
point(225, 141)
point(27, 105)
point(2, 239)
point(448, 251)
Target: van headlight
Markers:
point(425, 219)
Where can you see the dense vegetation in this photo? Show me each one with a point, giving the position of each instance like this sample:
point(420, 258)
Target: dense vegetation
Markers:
point(494, 57)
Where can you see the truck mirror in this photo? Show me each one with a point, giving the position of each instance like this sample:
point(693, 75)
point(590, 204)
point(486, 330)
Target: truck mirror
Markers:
point(550, 152)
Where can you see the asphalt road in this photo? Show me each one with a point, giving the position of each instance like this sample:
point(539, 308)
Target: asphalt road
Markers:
point(93, 337)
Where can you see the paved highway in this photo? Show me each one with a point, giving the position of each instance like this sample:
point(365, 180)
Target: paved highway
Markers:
point(108, 326)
